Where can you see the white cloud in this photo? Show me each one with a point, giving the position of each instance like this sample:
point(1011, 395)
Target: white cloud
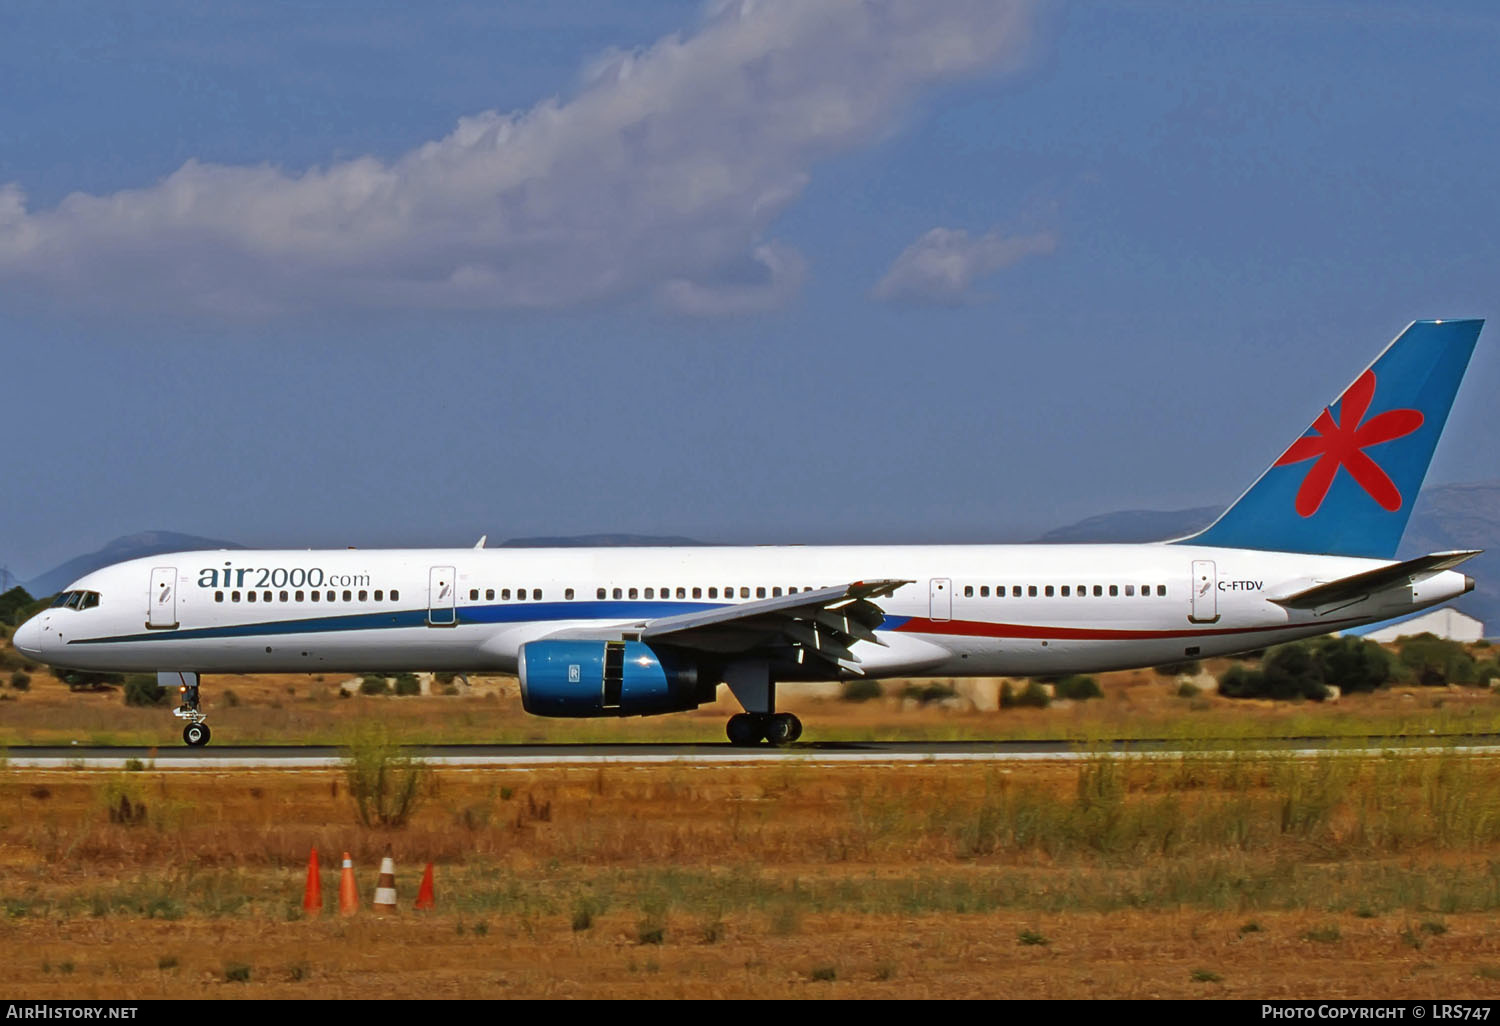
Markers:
point(942, 265)
point(661, 176)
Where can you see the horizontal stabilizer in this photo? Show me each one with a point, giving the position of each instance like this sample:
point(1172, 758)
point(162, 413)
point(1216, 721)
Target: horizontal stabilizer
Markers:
point(1371, 581)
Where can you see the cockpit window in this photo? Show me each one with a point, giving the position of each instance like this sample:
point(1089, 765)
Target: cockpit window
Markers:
point(73, 599)
point(61, 599)
point(89, 601)
point(76, 600)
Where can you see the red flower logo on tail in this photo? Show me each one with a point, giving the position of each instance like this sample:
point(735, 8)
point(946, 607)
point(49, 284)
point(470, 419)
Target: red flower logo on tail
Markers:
point(1342, 443)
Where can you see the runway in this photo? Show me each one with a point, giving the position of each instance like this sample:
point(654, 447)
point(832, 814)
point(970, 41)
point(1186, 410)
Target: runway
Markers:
point(179, 757)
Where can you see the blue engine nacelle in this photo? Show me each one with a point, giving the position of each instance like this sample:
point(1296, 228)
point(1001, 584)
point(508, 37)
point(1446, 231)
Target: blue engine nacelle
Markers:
point(609, 678)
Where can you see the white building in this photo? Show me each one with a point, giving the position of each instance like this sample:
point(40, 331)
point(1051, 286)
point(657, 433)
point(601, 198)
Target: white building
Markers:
point(1444, 622)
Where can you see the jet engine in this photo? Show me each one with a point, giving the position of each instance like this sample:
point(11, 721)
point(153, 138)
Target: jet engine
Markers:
point(609, 678)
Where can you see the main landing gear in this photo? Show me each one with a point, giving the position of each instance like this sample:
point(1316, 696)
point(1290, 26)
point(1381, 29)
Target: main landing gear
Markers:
point(776, 729)
point(196, 733)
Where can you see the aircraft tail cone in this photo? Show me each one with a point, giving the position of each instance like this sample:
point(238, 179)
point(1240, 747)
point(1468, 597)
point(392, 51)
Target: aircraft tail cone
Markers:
point(348, 890)
point(385, 887)
point(425, 898)
point(312, 894)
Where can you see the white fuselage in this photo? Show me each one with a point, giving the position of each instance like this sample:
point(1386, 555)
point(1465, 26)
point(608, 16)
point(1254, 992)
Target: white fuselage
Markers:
point(972, 610)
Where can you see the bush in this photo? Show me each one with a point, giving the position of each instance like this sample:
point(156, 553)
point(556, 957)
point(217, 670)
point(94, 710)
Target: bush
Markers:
point(861, 690)
point(1187, 689)
point(1434, 661)
point(371, 684)
point(407, 684)
point(1353, 664)
point(1305, 669)
point(1034, 696)
point(20, 681)
point(1078, 686)
point(1486, 672)
point(930, 692)
point(141, 689)
point(81, 680)
point(1190, 667)
point(386, 783)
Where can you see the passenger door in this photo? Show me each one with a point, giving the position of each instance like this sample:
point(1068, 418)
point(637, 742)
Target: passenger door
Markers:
point(1205, 592)
point(442, 595)
point(940, 598)
point(161, 611)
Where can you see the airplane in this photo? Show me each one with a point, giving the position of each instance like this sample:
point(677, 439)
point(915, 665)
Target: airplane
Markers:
point(1307, 549)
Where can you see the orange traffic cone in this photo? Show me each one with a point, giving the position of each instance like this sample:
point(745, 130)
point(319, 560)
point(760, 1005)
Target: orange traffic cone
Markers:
point(312, 896)
point(424, 893)
point(348, 891)
point(385, 887)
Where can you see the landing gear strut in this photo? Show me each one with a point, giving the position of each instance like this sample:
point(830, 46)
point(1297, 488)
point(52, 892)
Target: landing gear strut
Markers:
point(196, 733)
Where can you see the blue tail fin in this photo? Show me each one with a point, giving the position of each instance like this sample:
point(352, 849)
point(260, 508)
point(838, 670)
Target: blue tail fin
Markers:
point(1346, 487)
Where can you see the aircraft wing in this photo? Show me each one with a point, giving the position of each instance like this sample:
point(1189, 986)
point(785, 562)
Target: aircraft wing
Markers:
point(818, 625)
point(1358, 585)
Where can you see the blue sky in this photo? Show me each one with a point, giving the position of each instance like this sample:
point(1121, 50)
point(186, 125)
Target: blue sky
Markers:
point(328, 274)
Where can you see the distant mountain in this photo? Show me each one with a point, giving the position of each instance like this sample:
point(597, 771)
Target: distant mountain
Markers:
point(1460, 516)
point(132, 546)
point(584, 541)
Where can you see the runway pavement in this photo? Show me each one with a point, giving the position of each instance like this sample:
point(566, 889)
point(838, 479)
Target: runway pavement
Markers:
point(816, 752)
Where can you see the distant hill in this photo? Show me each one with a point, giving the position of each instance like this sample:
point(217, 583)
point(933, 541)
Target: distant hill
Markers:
point(132, 546)
point(583, 541)
point(1460, 516)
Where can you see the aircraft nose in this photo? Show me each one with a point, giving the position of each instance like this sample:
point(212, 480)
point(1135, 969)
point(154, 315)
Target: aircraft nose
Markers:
point(28, 638)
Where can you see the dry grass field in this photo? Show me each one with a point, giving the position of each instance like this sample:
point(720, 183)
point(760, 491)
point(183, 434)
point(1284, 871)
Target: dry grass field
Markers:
point(1201, 876)
point(1208, 875)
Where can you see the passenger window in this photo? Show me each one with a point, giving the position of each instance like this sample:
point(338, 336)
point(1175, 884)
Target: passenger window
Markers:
point(364, 596)
point(218, 596)
point(713, 592)
point(520, 594)
point(283, 596)
point(315, 595)
point(395, 595)
point(379, 594)
point(1098, 590)
point(249, 596)
point(1083, 590)
point(536, 593)
point(568, 594)
point(300, 596)
point(618, 593)
point(1129, 590)
point(1031, 591)
point(1048, 591)
point(634, 593)
point(697, 593)
point(744, 592)
point(791, 591)
point(1064, 591)
point(1161, 591)
point(234, 596)
point(682, 593)
point(968, 591)
point(348, 596)
point(1015, 591)
point(650, 593)
point(473, 594)
point(1114, 589)
point(984, 591)
point(599, 593)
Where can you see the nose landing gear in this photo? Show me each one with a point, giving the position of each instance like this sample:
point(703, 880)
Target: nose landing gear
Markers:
point(196, 733)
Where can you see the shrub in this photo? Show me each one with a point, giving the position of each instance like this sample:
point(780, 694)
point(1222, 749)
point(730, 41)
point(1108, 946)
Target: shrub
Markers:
point(407, 684)
point(82, 680)
point(1189, 667)
point(372, 684)
point(1304, 669)
point(231, 698)
point(1187, 689)
point(386, 783)
point(20, 681)
point(1078, 686)
point(1353, 664)
point(1483, 673)
point(861, 690)
point(929, 692)
point(141, 689)
point(1034, 696)
point(237, 972)
point(1434, 661)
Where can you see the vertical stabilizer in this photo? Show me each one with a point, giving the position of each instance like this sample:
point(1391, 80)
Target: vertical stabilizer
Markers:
point(1346, 487)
